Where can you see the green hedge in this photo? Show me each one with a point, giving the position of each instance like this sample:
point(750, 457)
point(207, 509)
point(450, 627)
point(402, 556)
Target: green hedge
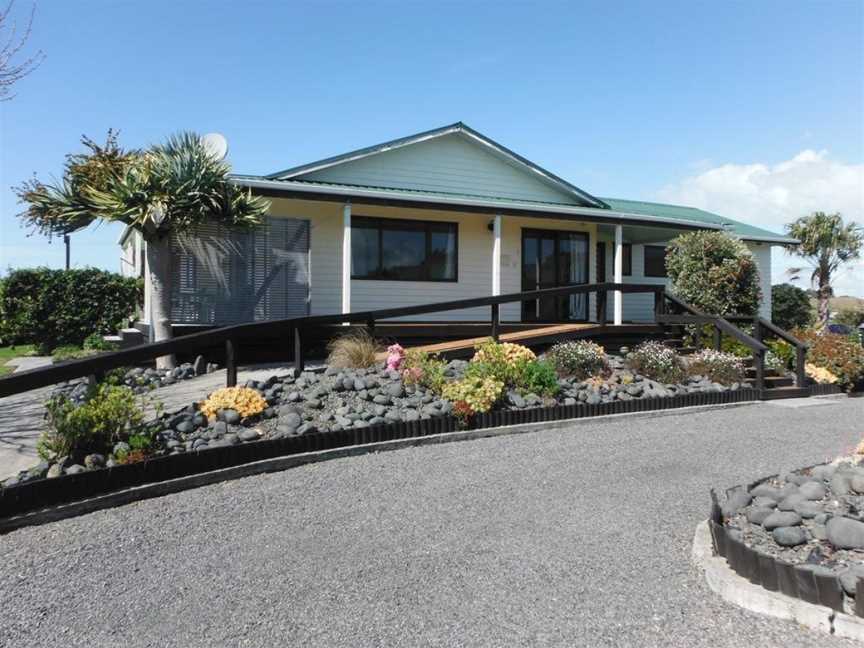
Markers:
point(53, 308)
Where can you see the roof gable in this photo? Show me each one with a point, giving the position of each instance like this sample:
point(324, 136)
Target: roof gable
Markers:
point(453, 159)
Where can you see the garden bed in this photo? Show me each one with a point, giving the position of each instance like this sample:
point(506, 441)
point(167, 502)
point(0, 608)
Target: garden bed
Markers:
point(801, 534)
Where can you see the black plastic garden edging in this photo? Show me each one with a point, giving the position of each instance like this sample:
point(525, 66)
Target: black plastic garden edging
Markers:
point(43, 493)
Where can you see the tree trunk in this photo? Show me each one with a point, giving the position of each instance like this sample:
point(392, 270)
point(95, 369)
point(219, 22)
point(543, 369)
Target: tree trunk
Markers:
point(159, 275)
point(824, 295)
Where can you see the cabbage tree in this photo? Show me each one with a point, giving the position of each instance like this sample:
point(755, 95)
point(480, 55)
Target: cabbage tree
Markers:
point(827, 243)
point(168, 188)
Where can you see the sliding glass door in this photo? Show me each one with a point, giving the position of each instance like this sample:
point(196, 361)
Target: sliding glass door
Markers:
point(551, 259)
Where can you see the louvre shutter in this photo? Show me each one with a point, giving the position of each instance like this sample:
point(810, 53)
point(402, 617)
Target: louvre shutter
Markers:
point(225, 276)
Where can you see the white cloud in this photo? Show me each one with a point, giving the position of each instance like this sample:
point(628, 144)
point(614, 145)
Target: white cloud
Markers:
point(770, 196)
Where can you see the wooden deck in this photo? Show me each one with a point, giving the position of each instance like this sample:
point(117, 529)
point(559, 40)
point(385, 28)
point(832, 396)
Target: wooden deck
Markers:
point(535, 335)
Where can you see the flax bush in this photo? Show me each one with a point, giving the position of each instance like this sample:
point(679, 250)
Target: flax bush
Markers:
point(656, 361)
point(580, 359)
point(354, 350)
point(719, 366)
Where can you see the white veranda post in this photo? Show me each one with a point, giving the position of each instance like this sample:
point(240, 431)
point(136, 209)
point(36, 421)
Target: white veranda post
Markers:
point(619, 271)
point(496, 255)
point(346, 259)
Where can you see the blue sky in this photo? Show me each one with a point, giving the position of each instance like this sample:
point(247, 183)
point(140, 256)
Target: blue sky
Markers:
point(752, 109)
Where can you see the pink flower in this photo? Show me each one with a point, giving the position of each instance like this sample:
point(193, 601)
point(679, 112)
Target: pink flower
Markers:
point(395, 356)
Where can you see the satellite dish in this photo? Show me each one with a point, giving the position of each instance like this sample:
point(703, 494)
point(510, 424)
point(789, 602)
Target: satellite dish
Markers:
point(216, 145)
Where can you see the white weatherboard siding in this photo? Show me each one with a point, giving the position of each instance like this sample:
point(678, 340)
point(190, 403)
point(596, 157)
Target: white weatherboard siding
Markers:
point(637, 307)
point(762, 255)
point(475, 243)
point(451, 164)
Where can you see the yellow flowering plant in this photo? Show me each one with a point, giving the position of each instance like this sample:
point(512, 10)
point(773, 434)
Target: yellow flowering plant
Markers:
point(244, 400)
point(820, 374)
point(473, 395)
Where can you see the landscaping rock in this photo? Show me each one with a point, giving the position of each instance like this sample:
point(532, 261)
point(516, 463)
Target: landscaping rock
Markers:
point(230, 416)
point(757, 515)
point(737, 499)
point(250, 434)
point(845, 533)
point(789, 536)
point(781, 519)
point(812, 490)
point(93, 461)
point(75, 469)
point(54, 471)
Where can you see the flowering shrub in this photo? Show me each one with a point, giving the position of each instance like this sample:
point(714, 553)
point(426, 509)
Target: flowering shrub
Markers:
point(820, 374)
point(395, 357)
point(719, 366)
point(782, 350)
point(838, 354)
point(656, 361)
point(580, 359)
point(774, 362)
point(245, 401)
point(504, 362)
point(420, 368)
point(473, 395)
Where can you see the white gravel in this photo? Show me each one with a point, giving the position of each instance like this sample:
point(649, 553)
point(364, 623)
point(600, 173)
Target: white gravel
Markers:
point(576, 537)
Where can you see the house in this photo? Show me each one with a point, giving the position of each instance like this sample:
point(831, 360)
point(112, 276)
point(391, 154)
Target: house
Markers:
point(441, 215)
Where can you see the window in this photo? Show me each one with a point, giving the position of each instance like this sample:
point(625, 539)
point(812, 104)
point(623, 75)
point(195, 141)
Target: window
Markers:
point(655, 261)
point(627, 264)
point(403, 250)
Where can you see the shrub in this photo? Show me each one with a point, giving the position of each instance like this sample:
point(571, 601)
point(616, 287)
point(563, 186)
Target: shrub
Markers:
point(851, 317)
point(790, 307)
point(581, 359)
point(108, 414)
point(839, 354)
point(538, 377)
point(721, 367)
point(354, 350)
point(244, 400)
point(51, 308)
point(714, 272)
point(97, 342)
point(775, 362)
point(656, 361)
point(71, 352)
point(783, 351)
point(420, 368)
point(473, 395)
point(503, 362)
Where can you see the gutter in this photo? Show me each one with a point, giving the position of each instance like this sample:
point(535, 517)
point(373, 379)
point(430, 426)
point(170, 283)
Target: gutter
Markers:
point(492, 206)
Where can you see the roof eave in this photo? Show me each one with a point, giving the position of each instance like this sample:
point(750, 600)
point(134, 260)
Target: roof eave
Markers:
point(346, 192)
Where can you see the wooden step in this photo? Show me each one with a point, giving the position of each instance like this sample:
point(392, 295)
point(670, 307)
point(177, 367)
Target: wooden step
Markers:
point(785, 392)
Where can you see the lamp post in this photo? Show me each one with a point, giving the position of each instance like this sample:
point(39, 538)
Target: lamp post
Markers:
point(66, 243)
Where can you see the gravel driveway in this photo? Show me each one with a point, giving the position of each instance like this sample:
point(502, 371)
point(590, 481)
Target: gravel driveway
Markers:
point(576, 537)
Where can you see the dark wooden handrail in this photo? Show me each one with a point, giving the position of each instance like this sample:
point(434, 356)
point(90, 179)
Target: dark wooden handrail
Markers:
point(760, 324)
point(231, 336)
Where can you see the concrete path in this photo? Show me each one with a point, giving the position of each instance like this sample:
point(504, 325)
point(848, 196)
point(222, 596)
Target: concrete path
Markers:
point(22, 415)
point(571, 537)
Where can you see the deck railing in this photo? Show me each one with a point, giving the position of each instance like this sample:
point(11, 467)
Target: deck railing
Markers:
point(233, 337)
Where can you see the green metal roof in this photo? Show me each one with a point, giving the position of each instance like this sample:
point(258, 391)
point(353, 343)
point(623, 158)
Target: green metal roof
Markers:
point(679, 212)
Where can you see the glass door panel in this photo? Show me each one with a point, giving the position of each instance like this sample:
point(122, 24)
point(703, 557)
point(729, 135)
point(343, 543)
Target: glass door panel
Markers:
point(551, 259)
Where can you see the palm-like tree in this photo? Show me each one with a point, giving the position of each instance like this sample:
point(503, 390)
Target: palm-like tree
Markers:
point(827, 243)
point(168, 188)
